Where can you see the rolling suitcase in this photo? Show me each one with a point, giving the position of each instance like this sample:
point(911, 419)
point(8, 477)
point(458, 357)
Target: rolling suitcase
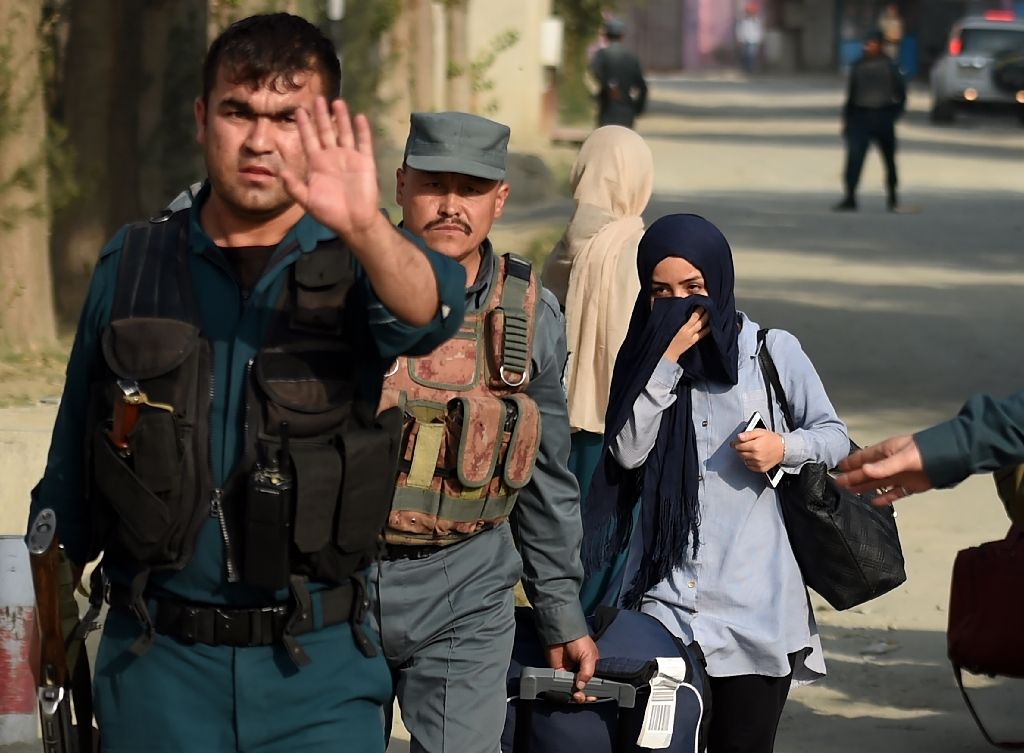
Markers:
point(652, 690)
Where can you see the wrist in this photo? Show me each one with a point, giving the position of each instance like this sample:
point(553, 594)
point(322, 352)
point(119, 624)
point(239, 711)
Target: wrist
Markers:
point(373, 235)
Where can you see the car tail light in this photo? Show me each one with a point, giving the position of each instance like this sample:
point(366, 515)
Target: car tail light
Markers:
point(999, 15)
point(956, 45)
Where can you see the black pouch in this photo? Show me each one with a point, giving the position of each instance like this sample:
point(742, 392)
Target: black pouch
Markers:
point(142, 519)
point(269, 504)
point(309, 391)
point(370, 451)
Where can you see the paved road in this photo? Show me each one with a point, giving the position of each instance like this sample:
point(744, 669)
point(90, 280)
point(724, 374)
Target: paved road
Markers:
point(903, 314)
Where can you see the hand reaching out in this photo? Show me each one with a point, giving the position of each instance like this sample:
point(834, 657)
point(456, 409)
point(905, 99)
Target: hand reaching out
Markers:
point(894, 467)
point(340, 186)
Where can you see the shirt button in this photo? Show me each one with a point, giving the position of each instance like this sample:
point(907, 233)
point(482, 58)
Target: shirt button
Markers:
point(703, 423)
point(692, 584)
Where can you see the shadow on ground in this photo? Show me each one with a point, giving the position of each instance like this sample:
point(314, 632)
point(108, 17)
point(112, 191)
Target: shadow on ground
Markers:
point(908, 690)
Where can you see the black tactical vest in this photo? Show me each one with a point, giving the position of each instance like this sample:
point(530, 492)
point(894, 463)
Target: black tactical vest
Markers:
point(312, 491)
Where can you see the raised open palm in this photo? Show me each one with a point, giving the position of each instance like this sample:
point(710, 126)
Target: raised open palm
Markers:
point(340, 187)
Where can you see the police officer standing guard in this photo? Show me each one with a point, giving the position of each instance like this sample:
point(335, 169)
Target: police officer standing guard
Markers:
point(217, 437)
point(875, 100)
point(622, 90)
point(484, 496)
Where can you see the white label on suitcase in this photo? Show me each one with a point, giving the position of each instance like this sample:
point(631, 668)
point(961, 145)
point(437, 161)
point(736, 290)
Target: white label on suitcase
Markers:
point(660, 715)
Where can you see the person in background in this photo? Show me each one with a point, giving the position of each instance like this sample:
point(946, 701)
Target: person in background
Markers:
point(622, 89)
point(988, 434)
point(592, 272)
point(876, 98)
point(708, 554)
point(890, 25)
point(750, 37)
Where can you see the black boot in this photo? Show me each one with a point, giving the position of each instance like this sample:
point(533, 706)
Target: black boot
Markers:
point(890, 200)
point(849, 204)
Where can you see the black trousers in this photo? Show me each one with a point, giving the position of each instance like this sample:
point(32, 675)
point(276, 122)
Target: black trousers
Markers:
point(863, 128)
point(745, 712)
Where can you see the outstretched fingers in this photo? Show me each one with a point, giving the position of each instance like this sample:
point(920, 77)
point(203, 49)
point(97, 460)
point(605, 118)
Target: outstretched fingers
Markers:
point(296, 187)
point(307, 132)
point(325, 128)
point(364, 135)
point(343, 123)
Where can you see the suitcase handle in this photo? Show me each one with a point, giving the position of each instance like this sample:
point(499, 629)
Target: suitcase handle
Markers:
point(535, 681)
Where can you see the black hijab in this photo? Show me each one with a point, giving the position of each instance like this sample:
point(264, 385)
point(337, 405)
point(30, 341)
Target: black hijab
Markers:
point(667, 482)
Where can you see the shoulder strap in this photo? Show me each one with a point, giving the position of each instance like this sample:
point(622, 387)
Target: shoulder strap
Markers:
point(977, 719)
point(772, 381)
point(153, 278)
point(516, 337)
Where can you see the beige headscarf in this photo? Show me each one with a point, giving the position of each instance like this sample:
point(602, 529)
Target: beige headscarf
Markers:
point(592, 269)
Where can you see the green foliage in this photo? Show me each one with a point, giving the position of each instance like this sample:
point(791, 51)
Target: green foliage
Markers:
point(362, 65)
point(478, 69)
point(581, 22)
point(64, 185)
point(13, 109)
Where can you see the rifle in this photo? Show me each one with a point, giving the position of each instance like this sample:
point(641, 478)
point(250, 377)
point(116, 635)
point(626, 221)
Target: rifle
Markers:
point(55, 680)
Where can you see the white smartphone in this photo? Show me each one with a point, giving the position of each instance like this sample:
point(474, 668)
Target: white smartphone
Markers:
point(774, 475)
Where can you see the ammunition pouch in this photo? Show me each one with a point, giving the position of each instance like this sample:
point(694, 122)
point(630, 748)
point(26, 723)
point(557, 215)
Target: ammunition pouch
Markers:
point(470, 436)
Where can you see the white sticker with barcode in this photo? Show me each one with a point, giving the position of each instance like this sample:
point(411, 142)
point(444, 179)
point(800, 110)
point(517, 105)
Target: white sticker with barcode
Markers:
point(660, 715)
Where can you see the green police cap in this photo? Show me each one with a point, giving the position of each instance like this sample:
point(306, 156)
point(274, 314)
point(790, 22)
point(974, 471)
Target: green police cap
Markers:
point(457, 142)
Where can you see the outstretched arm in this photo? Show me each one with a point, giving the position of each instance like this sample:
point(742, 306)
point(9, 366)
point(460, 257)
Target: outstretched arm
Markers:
point(894, 467)
point(340, 191)
point(987, 435)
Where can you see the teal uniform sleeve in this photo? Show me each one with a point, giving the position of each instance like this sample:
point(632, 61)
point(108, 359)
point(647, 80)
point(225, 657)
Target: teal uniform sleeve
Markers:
point(546, 520)
point(987, 435)
point(62, 487)
point(393, 337)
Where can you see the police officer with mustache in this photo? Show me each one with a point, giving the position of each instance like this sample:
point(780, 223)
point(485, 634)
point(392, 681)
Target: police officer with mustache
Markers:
point(484, 496)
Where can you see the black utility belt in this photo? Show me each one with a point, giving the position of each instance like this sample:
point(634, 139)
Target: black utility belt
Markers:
point(229, 626)
point(392, 552)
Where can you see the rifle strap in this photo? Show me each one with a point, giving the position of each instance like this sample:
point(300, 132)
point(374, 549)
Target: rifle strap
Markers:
point(302, 607)
point(81, 677)
point(137, 606)
point(81, 693)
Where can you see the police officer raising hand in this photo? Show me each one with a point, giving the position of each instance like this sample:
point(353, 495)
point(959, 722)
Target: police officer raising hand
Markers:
point(340, 190)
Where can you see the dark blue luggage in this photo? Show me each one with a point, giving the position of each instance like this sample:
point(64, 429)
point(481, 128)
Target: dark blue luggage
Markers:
point(540, 719)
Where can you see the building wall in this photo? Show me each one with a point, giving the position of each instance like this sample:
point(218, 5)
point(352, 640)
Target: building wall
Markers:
point(516, 76)
point(517, 73)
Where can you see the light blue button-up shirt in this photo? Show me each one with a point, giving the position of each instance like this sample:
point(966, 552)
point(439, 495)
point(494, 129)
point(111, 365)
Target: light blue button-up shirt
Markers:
point(742, 597)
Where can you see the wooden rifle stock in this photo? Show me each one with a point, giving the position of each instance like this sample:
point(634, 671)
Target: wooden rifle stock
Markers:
point(53, 682)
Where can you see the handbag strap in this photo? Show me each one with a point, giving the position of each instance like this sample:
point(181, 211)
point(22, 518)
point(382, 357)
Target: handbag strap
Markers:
point(772, 381)
point(977, 719)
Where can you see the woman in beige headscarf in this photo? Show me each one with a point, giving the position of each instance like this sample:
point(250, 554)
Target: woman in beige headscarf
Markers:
point(592, 271)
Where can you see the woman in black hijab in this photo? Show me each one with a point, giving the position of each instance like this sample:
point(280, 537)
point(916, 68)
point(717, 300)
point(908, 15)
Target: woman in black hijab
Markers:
point(681, 497)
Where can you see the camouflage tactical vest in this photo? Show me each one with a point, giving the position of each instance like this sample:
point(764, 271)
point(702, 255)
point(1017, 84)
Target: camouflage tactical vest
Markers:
point(471, 434)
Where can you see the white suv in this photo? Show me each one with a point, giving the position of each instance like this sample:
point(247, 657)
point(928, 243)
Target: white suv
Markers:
point(983, 65)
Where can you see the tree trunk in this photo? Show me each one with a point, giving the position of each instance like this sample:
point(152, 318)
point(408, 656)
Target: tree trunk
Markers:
point(458, 91)
point(90, 96)
point(132, 76)
point(408, 81)
point(172, 53)
point(26, 302)
point(422, 58)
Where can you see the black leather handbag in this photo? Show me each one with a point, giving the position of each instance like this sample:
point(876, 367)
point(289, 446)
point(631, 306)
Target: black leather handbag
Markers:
point(847, 548)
